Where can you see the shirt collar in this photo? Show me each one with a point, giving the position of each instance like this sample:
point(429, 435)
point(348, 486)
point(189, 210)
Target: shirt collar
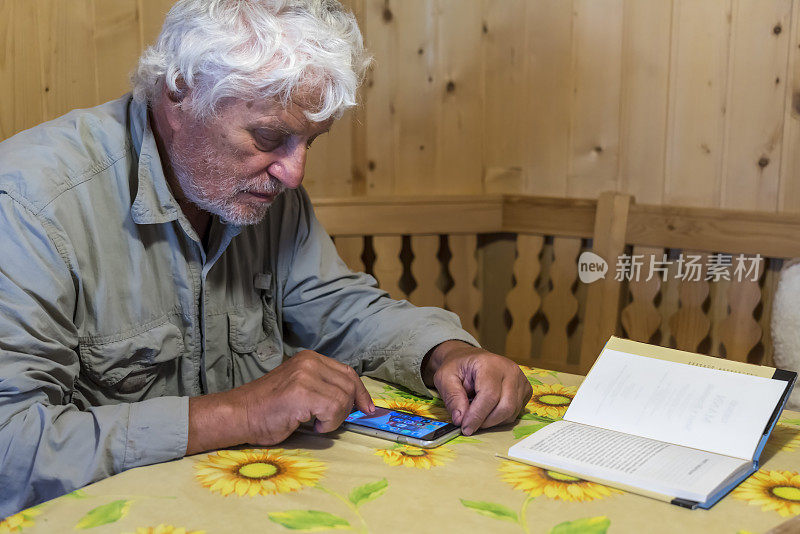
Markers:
point(154, 203)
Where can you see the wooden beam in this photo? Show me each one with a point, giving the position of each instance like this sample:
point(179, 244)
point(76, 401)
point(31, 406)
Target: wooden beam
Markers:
point(603, 301)
point(559, 217)
point(715, 230)
point(411, 215)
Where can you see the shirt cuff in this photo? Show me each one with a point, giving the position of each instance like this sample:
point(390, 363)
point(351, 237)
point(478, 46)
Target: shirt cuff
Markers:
point(158, 431)
point(410, 367)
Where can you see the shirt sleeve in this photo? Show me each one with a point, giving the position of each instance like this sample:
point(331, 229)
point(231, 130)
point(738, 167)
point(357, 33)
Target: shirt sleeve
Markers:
point(48, 446)
point(342, 314)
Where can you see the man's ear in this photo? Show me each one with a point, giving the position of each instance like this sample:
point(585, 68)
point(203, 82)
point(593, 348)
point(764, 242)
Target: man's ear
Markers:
point(172, 103)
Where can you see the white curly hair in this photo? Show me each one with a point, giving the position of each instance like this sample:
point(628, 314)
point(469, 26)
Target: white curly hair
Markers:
point(252, 49)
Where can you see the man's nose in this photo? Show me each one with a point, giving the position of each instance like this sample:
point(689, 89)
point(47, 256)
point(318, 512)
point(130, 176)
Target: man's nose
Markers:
point(289, 168)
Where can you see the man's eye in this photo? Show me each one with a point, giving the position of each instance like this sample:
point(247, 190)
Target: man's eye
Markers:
point(268, 141)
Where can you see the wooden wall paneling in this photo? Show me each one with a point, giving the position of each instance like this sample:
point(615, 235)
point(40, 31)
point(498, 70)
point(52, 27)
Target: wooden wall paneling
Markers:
point(769, 283)
point(459, 92)
point(698, 70)
point(495, 260)
point(426, 270)
point(505, 94)
point(559, 306)
point(69, 64)
point(790, 155)
point(21, 87)
point(350, 249)
point(464, 298)
point(329, 161)
point(380, 106)
point(739, 331)
point(690, 325)
point(416, 104)
point(604, 298)
point(640, 318)
point(388, 268)
point(358, 116)
point(597, 60)
point(546, 107)
point(523, 301)
point(117, 44)
point(755, 108)
point(153, 13)
point(647, 28)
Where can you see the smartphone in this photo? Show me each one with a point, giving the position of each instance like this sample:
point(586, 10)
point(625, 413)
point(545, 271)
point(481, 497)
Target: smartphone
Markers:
point(402, 427)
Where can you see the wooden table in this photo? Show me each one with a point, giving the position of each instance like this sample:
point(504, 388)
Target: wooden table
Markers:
point(355, 482)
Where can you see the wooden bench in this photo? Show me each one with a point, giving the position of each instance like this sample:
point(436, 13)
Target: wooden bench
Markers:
point(508, 266)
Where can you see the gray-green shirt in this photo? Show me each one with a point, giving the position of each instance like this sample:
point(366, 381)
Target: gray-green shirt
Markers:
point(112, 314)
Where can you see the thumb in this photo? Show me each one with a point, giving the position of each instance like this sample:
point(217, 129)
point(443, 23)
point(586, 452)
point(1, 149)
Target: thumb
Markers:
point(454, 395)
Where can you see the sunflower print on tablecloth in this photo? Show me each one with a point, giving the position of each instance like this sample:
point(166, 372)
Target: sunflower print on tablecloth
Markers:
point(413, 407)
point(19, 521)
point(772, 490)
point(783, 438)
point(551, 400)
point(258, 471)
point(537, 481)
point(166, 529)
point(410, 456)
point(535, 371)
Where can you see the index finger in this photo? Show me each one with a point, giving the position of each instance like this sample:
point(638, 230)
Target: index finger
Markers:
point(361, 397)
point(487, 395)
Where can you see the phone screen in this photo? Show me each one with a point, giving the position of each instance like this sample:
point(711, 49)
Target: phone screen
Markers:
point(402, 423)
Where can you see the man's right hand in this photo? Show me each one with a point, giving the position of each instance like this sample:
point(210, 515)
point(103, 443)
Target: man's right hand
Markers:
point(267, 410)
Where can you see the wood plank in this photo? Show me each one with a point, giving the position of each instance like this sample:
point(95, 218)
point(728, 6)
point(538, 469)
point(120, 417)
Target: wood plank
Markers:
point(426, 270)
point(597, 57)
point(523, 301)
point(388, 268)
point(505, 93)
point(117, 44)
point(495, 258)
point(690, 325)
point(700, 43)
point(350, 249)
point(647, 29)
point(755, 109)
point(771, 235)
point(548, 216)
point(21, 85)
point(739, 331)
point(640, 318)
point(545, 131)
point(153, 14)
point(559, 306)
point(441, 215)
point(604, 298)
point(458, 145)
point(416, 103)
point(464, 299)
point(381, 34)
point(329, 161)
point(69, 72)
point(790, 156)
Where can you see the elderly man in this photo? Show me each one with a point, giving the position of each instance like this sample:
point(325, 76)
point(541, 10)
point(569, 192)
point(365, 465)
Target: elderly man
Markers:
point(160, 258)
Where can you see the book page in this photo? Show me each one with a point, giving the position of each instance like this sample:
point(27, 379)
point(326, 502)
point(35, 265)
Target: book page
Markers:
point(716, 411)
point(615, 457)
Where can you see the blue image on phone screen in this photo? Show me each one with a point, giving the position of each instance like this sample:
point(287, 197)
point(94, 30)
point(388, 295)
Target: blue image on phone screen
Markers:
point(401, 423)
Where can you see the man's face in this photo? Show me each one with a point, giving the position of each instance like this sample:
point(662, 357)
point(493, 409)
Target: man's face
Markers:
point(235, 164)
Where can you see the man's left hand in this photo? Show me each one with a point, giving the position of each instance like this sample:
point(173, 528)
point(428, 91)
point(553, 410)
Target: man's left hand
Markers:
point(498, 388)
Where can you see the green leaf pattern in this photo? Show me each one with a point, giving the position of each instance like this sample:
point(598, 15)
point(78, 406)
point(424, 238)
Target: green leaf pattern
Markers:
point(309, 520)
point(368, 492)
point(105, 514)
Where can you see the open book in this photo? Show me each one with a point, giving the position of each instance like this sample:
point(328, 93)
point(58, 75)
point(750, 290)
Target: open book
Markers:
point(663, 423)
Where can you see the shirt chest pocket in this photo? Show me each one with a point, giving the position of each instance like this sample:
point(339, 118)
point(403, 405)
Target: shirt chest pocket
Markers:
point(133, 365)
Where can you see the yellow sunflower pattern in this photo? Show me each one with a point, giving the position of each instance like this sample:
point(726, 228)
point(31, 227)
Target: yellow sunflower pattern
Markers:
point(166, 529)
point(537, 481)
point(258, 471)
point(783, 438)
point(535, 371)
point(551, 400)
point(778, 491)
point(410, 456)
point(19, 521)
point(413, 407)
